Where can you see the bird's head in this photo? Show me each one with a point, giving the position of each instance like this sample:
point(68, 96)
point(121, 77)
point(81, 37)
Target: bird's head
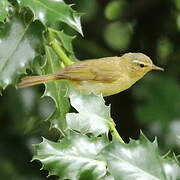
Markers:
point(138, 64)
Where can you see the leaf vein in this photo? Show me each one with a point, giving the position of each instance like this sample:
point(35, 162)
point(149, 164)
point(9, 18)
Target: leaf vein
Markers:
point(50, 9)
point(135, 167)
point(15, 46)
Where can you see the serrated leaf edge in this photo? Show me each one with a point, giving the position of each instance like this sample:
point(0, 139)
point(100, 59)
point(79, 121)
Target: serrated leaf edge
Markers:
point(79, 29)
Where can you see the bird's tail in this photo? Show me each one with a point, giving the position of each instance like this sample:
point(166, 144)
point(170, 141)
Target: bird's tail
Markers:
point(34, 80)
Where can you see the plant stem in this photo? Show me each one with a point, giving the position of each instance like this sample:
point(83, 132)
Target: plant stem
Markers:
point(114, 132)
point(57, 48)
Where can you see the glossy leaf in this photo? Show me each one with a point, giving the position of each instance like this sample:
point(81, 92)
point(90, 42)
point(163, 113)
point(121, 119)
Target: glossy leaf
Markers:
point(19, 43)
point(65, 41)
point(138, 160)
point(57, 90)
point(172, 168)
point(93, 114)
point(50, 12)
point(75, 157)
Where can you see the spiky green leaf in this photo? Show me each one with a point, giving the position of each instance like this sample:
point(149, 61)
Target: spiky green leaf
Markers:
point(172, 168)
point(139, 160)
point(93, 116)
point(65, 41)
point(75, 157)
point(57, 90)
point(19, 42)
point(50, 12)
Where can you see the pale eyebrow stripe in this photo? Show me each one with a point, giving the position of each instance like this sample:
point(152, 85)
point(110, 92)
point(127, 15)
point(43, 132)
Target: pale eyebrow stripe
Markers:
point(136, 61)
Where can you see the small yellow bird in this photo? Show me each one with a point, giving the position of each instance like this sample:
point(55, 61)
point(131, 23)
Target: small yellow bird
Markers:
point(106, 76)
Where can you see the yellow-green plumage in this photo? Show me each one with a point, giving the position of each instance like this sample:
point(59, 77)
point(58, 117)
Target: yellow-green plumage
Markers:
point(106, 76)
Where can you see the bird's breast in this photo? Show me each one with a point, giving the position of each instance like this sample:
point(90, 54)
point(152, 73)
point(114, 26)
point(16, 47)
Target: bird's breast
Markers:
point(104, 88)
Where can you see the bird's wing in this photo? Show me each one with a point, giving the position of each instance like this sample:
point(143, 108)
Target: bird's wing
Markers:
point(95, 70)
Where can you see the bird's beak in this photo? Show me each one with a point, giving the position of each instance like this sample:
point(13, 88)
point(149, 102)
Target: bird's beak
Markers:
point(154, 67)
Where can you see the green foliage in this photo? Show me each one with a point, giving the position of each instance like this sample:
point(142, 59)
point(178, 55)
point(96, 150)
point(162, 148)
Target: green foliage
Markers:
point(118, 35)
point(15, 57)
point(164, 49)
point(80, 157)
point(74, 157)
point(139, 160)
point(56, 90)
point(167, 93)
point(4, 8)
point(84, 144)
point(49, 12)
point(114, 9)
point(93, 116)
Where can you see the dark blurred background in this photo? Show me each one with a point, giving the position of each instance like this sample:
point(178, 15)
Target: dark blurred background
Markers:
point(110, 28)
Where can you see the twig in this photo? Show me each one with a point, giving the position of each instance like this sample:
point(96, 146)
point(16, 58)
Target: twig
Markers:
point(114, 132)
point(58, 49)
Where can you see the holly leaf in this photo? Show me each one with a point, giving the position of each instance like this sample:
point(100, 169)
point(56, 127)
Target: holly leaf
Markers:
point(138, 160)
point(74, 157)
point(19, 43)
point(172, 168)
point(65, 41)
point(57, 90)
point(93, 116)
point(50, 12)
point(4, 8)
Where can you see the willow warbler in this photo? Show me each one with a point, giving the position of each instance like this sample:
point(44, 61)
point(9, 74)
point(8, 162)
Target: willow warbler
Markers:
point(106, 76)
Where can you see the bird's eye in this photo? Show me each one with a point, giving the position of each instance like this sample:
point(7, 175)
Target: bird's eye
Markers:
point(141, 65)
